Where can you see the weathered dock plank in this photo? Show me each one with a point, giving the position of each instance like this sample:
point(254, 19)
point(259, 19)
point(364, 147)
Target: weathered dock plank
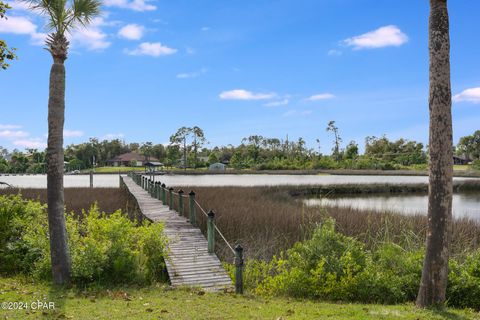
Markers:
point(188, 262)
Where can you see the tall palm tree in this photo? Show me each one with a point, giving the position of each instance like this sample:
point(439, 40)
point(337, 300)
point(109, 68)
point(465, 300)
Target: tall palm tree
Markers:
point(63, 16)
point(435, 268)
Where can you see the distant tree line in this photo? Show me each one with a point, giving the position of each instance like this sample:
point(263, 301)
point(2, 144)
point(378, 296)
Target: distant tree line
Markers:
point(187, 149)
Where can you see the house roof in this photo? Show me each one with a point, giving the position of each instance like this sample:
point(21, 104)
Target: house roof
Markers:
point(131, 156)
point(154, 164)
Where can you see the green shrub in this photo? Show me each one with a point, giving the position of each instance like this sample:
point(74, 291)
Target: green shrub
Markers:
point(323, 267)
point(392, 275)
point(331, 266)
point(324, 162)
point(17, 216)
point(463, 289)
point(107, 249)
point(476, 164)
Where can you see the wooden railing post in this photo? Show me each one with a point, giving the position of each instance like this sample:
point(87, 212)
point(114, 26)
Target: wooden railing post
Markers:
point(192, 214)
point(157, 190)
point(170, 198)
point(238, 269)
point(180, 203)
point(91, 178)
point(164, 194)
point(211, 231)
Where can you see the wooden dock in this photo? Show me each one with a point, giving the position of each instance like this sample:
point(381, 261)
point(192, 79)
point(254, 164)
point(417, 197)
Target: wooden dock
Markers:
point(188, 262)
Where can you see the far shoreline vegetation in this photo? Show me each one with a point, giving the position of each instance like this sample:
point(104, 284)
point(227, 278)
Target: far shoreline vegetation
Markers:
point(255, 154)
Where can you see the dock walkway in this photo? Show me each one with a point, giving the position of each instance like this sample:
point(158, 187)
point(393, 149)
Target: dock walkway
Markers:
point(188, 262)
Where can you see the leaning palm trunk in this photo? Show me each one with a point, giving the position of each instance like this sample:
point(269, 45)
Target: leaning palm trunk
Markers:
point(59, 252)
point(435, 269)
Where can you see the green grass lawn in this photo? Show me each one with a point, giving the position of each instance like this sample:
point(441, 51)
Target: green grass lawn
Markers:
point(461, 167)
point(159, 302)
point(116, 169)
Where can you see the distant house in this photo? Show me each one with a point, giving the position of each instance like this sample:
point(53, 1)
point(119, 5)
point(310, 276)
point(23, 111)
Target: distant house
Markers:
point(130, 159)
point(217, 167)
point(461, 160)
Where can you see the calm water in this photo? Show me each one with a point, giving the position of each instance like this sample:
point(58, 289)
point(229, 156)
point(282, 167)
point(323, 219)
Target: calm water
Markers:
point(464, 204)
point(244, 180)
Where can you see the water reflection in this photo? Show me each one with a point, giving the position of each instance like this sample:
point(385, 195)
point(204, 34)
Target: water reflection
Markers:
point(464, 204)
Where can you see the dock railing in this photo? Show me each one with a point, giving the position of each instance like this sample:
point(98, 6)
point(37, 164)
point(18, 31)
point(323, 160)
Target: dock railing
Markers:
point(176, 201)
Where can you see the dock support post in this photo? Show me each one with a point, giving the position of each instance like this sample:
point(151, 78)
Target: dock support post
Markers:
point(157, 190)
point(170, 198)
point(238, 269)
point(181, 210)
point(192, 214)
point(164, 194)
point(211, 231)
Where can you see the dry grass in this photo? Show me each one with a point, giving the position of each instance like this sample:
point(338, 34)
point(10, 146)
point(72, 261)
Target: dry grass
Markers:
point(76, 199)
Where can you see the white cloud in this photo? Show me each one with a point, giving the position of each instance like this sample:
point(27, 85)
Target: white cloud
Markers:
point(91, 37)
point(72, 133)
point(188, 75)
point(334, 52)
point(468, 95)
point(38, 39)
point(111, 136)
point(240, 94)
point(136, 5)
point(17, 25)
point(13, 134)
point(293, 112)
point(19, 5)
point(31, 143)
point(382, 37)
point(154, 49)
point(321, 96)
point(283, 102)
point(9, 126)
point(131, 32)
point(205, 28)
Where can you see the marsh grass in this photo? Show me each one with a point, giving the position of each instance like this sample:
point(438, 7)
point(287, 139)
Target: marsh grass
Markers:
point(76, 199)
point(267, 220)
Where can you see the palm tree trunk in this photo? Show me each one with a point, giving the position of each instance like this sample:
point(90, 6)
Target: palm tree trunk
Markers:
point(435, 269)
point(59, 252)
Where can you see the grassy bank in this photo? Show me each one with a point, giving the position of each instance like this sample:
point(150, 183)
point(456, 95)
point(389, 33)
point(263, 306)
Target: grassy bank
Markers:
point(159, 302)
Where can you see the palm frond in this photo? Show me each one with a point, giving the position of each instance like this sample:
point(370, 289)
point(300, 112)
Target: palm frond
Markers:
point(63, 15)
point(83, 11)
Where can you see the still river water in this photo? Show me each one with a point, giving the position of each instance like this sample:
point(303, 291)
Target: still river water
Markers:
point(463, 204)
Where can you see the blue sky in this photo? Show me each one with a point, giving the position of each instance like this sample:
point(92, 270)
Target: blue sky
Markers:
point(238, 68)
